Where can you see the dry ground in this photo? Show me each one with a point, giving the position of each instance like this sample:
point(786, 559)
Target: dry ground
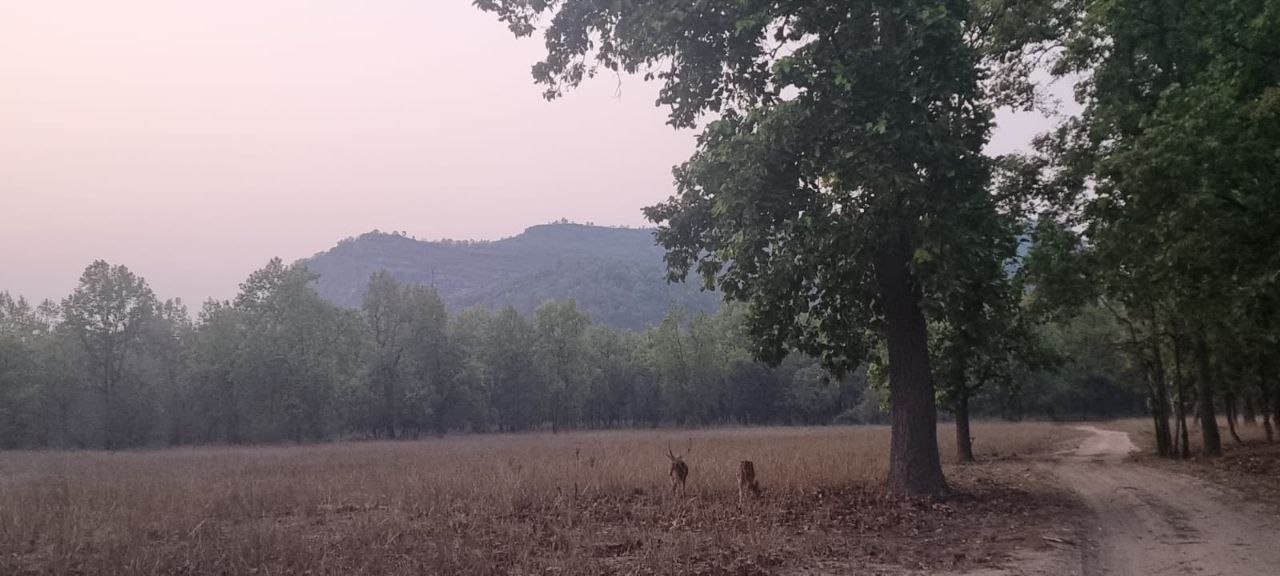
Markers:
point(1150, 520)
point(579, 503)
point(1251, 467)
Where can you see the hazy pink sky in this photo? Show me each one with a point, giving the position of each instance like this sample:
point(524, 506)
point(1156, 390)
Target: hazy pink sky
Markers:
point(193, 141)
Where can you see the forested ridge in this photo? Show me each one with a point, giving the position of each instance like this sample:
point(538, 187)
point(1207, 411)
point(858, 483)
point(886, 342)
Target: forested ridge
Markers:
point(615, 275)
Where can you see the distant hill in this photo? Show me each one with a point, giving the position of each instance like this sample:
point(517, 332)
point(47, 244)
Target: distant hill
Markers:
point(615, 274)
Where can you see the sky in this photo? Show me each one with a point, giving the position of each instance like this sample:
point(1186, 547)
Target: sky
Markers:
point(192, 141)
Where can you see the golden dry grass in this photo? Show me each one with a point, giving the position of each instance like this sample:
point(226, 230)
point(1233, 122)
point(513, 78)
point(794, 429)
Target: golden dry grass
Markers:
point(576, 503)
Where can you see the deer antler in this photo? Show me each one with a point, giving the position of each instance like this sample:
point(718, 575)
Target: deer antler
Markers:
point(671, 454)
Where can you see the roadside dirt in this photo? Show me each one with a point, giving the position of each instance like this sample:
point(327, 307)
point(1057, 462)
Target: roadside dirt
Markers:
point(1150, 521)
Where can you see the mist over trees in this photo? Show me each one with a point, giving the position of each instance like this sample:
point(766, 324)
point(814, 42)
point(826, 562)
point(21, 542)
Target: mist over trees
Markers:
point(113, 366)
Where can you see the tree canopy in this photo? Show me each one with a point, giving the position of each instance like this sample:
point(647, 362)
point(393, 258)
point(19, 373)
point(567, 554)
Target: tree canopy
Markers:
point(1168, 178)
point(845, 148)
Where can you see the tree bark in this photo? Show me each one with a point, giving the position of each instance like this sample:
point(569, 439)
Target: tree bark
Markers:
point(1177, 439)
point(1204, 387)
point(914, 465)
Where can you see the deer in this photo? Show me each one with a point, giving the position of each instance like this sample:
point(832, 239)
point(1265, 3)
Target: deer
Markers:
point(679, 469)
point(747, 480)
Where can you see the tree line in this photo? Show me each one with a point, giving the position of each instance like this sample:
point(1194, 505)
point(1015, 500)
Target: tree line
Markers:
point(1161, 203)
point(113, 366)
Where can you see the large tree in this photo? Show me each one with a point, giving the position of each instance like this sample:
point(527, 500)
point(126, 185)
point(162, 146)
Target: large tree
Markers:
point(560, 358)
point(217, 372)
point(298, 355)
point(435, 396)
point(107, 314)
point(386, 327)
point(846, 136)
point(517, 394)
point(20, 334)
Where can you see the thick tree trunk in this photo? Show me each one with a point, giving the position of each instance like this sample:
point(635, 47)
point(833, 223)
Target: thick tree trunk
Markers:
point(1177, 439)
point(1204, 387)
point(964, 440)
point(914, 465)
point(1163, 437)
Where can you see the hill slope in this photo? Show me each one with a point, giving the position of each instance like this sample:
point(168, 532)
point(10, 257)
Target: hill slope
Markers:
point(616, 275)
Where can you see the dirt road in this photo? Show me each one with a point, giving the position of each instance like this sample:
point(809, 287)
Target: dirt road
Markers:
point(1151, 522)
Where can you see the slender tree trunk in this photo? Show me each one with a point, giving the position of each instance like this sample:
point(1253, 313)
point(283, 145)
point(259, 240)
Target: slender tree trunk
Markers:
point(108, 420)
point(1204, 388)
point(389, 405)
point(1270, 390)
point(1160, 412)
point(959, 389)
point(1159, 391)
point(1232, 412)
point(914, 465)
point(1250, 408)
point(1275, 415)
point(232, 413)
point(1181, 409)
point(964, 440)
point(1275, 407)
point(108, 408)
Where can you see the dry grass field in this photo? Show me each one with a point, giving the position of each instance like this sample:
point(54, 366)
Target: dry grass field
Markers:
point(575, 503)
